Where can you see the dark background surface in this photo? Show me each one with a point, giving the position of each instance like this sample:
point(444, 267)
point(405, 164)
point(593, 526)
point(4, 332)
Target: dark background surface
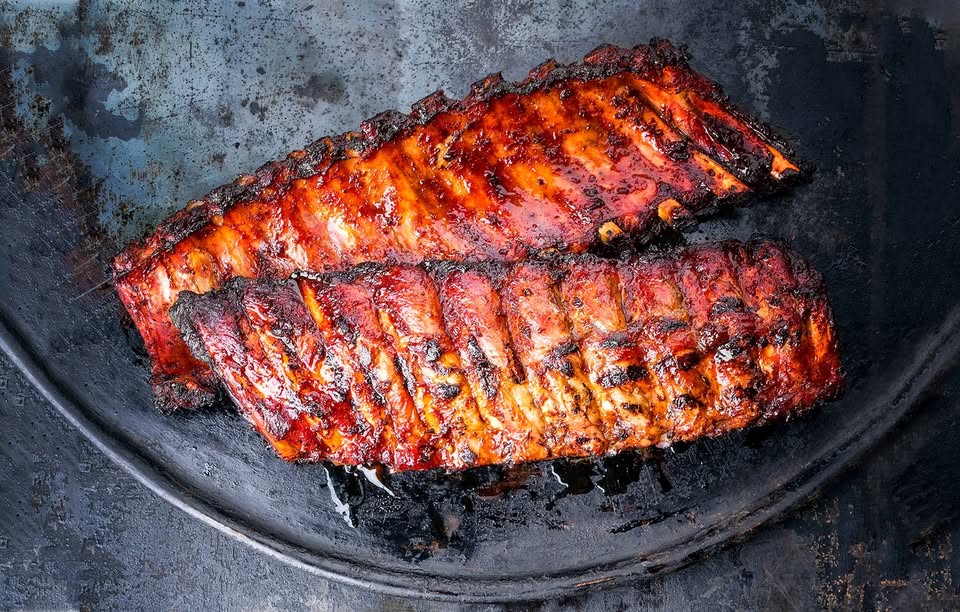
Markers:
point(75, 531)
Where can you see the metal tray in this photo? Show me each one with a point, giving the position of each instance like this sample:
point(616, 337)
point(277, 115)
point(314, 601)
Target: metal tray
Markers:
point(113, 117)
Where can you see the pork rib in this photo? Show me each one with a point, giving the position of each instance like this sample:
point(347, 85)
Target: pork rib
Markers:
point(624, 142)
point(457, 365)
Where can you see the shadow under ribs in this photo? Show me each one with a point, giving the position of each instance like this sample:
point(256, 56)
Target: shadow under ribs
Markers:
point(455, 365)
point(620, 144)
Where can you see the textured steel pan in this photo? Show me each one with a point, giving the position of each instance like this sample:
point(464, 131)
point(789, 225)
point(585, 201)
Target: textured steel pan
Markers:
point(114, 116)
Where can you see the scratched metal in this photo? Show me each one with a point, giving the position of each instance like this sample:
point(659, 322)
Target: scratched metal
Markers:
point(115, 115)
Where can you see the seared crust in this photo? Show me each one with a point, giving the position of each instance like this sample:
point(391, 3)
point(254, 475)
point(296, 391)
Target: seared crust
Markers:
point(621, 143)
point(457, 365)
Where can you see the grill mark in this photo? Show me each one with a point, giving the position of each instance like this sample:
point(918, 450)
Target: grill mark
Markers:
point(371, 406)
point(488, 441)
point(264, 310)
point(775, 359)
point(466, 212)
point(514, 163)
point(678, 112)
point(489, 379)
point(698, 119)
point(652, 393)
point(720, 181)
point(567, 181)
point(774, 162)
point(576, 176)
point(405, 372)
point(690, 368)
point(569, 170)
point(605, 415)
point(433, 353)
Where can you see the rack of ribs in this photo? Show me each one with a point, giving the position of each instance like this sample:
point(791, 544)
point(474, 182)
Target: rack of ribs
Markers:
point(456, 365)
point(612, 148)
